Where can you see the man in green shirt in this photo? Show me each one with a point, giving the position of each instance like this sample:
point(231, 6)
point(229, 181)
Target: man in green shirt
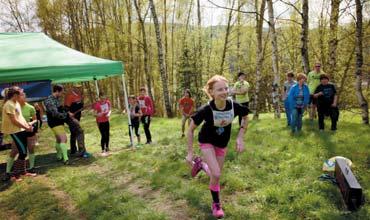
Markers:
point(240, 90)
point(313, 81)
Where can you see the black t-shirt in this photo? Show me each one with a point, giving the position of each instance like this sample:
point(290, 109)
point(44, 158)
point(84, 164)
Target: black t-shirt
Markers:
point(135, 119)
point(327, 98)
point(217, 135)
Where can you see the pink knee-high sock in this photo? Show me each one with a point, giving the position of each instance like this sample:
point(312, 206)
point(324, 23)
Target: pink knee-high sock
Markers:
point(215, 188)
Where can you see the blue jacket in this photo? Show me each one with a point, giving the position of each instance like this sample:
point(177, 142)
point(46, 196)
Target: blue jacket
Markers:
point(293, 93)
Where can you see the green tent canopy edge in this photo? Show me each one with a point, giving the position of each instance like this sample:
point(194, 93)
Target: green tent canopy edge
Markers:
point(35, 56)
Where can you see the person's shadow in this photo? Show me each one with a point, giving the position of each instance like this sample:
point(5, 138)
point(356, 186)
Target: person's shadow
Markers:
point(44, 163)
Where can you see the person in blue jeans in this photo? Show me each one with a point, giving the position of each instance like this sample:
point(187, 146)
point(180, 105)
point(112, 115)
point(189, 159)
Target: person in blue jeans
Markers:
point(287, 85)
point(298, 98)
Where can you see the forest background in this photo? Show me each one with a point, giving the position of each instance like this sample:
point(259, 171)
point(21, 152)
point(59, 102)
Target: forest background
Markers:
point(171, 45)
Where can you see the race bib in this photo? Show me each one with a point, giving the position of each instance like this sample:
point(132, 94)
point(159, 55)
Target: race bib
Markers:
point(104, 107)
point(142, 103)
point(223, 118)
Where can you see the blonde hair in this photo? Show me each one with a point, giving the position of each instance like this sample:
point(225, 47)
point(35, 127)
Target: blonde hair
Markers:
point(210, 83)
point(301, 76)
point(11, 91)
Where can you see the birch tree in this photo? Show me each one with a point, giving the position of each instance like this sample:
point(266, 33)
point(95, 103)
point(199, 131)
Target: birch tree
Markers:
point(275, 60)
point(333, 40)
point(227, 35)
point(259, 52)
point(304, 37)
point(145, 49)
point(359, 62)
point(161, 60)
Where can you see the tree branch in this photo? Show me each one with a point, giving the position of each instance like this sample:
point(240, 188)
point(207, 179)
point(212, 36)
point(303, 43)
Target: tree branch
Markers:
point(286, 19)
point(237, 10)
point(293, 5)
point(232, 9)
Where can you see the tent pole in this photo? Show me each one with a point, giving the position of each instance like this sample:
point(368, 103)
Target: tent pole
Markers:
point(97, 88)
point(128, 111)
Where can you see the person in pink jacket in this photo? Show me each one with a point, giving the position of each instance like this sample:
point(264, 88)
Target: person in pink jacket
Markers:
point(147, 108)
point(102, 110)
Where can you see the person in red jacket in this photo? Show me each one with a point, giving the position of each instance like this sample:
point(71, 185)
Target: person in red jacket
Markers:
point(147, 108)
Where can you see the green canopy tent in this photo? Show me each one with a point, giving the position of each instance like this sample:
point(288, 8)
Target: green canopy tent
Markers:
point(34, 56)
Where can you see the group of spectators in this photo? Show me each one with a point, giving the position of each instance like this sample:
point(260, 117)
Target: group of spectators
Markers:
point(318, 95)
point(22, 120)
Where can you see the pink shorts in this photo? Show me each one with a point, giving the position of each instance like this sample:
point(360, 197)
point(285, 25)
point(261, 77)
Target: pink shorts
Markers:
point(220, 152)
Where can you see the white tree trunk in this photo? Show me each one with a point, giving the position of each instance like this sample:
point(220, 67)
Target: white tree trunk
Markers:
point(259, 21)
point(304, 37)
point(161, 61)
point(359, 61)
point(275, 61)
point(333, 40)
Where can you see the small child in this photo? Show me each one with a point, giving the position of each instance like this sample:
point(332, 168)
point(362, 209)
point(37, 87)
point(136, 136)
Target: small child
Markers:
point(135, 114)
point(102, 112)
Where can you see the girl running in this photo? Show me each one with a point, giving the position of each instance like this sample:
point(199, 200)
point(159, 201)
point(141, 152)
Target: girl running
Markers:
point(215, 133)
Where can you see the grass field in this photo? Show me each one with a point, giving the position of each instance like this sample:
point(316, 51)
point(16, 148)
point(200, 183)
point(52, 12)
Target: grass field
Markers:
point(275, 178)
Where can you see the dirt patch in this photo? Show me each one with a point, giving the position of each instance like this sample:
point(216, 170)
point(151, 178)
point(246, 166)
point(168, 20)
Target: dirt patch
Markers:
point(9, 215)
point(64, 199)
point(156, 199)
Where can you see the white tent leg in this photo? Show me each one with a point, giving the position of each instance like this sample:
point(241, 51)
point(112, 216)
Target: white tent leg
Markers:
point(128, 111)
point(97, 88)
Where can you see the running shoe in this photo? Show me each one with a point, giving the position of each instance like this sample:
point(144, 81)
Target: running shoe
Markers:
point(32, 170)
point(217, 210)
point(197, 166)
point(30, 174)
point(16, 178)
point(86, 155)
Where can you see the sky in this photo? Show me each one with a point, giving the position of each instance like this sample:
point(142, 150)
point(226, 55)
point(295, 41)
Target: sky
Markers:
point(213, 15)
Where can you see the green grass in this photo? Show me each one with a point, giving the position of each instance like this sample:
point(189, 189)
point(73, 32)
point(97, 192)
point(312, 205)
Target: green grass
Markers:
point(275, 178)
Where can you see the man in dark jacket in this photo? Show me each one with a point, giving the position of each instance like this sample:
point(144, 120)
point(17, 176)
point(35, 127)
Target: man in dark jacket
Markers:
point(327, 102)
